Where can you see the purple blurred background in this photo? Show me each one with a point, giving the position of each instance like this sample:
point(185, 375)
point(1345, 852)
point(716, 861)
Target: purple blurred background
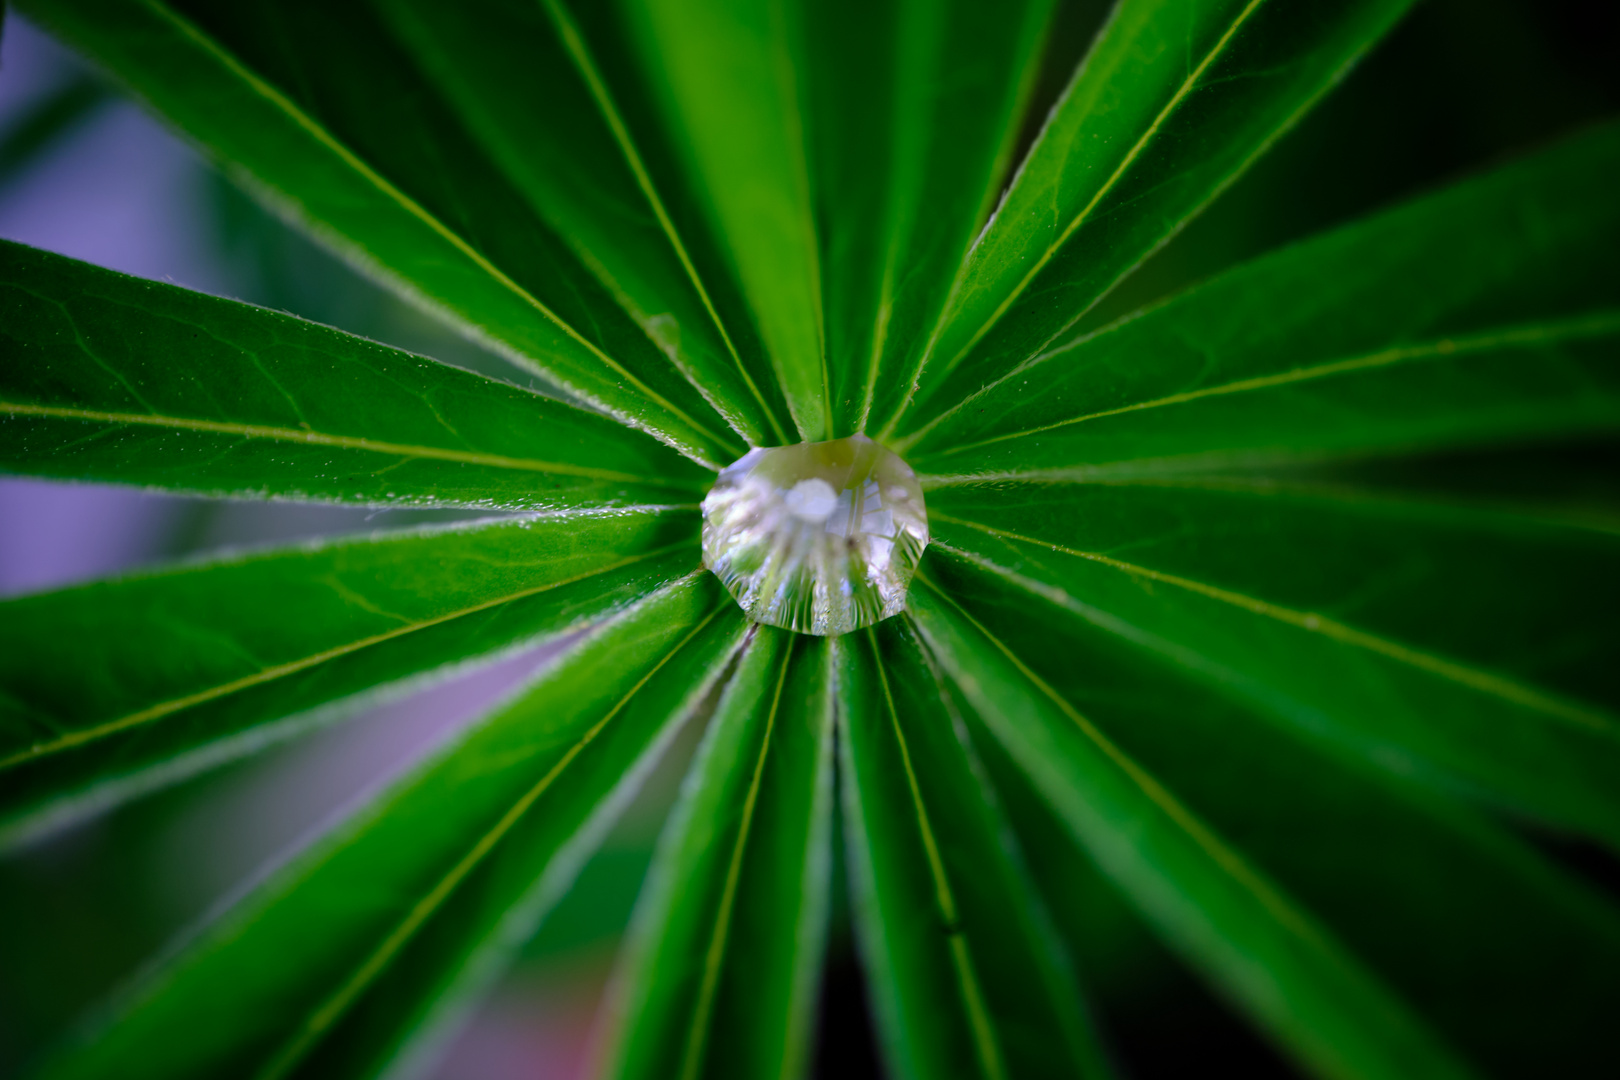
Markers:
point(112, 186)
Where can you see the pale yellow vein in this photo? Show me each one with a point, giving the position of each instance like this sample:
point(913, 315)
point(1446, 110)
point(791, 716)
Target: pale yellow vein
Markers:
point(793, 124)
point(303, 120)
point(984, 1040)
point(1108, 185)
point(277, 671)
point(982, 217)
point(335, 1006)
point(697, 1034)
point(1473, 678)
point(1229, 861)
point(1596, 325)
point(579, 51)
point(346, 442)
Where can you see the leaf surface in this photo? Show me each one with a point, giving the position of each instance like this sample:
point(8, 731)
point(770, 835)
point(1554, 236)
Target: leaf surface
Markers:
point(1520, 597)
point(1249, 936)
point(1488, 311)
point(1470, 648)
point(341, 134)
point(720, 972)
point(114, 687)
point(1172, 103)
point(1510, 960)
point(526, 78)
point(358, 953)
point(109, 377)
point(730, 80)
point(913, 119)
point(966, 979)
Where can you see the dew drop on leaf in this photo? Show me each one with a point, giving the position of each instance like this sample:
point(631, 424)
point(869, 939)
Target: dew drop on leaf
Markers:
point(822, 538)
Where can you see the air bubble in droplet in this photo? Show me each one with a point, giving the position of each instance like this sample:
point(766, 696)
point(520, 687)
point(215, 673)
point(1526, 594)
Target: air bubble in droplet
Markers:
point(822, 538)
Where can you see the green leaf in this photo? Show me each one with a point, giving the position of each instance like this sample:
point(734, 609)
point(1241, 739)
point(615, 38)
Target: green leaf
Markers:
point(719, 975)
point(1416, 711)
point(43, 122)
point(729, 76)
point(115, 687)
point(913, 119)
point(526, 79)
point(1213, 905)
point(343, 136)
point(1488, 311)
point(1172, 103)
point(108, 377)
point(1518, 598)
point(350, 958)
point(1511, 961)
point(965, 974)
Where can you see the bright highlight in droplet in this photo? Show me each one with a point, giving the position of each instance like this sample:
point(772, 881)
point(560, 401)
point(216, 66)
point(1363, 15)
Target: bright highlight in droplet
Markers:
point(822, 538)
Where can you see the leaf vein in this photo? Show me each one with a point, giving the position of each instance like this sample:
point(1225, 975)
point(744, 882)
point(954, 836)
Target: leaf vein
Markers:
point(1597, 324)
point(346, 442)
point(151, 713)
point(1462, 674)
point(692, 1058)
point(984, 1040)
point(324, 1017)
point(349, 158)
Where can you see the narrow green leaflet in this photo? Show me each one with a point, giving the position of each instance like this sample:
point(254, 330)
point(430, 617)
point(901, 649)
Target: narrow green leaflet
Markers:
point(352, 957)
point(913, 118)
point(109, 377)
point(720, 973)
point(1511, 961)
point(1486, 312)
point(1213, 905)
point(1172, 103)
point(730, 77)
point(525, 77)
point(114, 687)
point(344, 136)
point(1409, 701)
point(38, 128)
point(1515, 598)
point(965, 973)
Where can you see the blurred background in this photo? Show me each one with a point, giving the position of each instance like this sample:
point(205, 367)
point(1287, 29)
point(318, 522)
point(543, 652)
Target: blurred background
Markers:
point(1462, 84)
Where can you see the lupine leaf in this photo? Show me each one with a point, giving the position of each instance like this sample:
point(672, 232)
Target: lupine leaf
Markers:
point(40, 126)
point(1509, 959)
point(525, 78)
point(1300, 726)
point(113, 687)
point(340, 962)
point(1250, 937)
point(719, 974)
point(913, 119)
point(108, 377)
point(1171, 104)
point(730, 78)
point(966, 979)
point(1488, 311)
point(1392, 703)
point(1523, 598)
point(344, 136)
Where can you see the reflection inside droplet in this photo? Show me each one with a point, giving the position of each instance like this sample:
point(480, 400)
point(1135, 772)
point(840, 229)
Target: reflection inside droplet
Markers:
point(822, 538)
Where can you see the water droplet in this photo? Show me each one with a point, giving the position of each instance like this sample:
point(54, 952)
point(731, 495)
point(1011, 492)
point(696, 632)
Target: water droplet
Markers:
point(822, 538)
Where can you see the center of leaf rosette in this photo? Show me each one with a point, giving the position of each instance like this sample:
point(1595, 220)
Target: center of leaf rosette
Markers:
point(822, 538)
